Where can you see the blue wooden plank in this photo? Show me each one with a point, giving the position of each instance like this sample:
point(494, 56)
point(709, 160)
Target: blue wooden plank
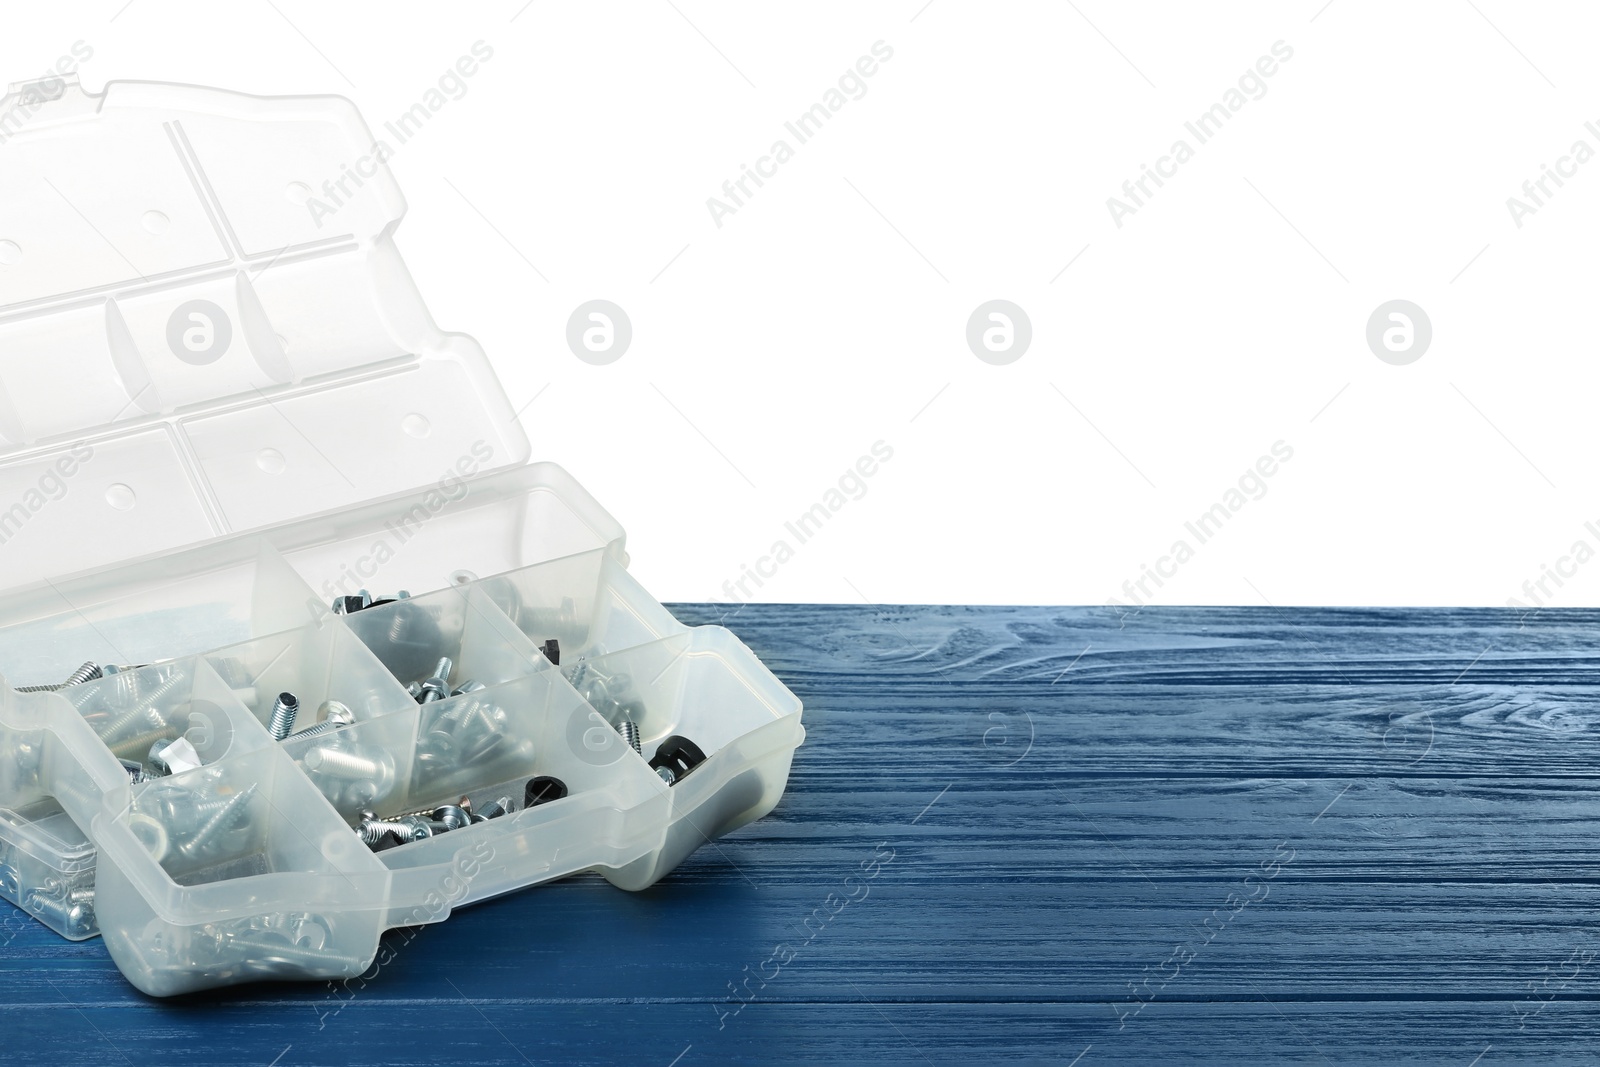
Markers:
point(1209, 835)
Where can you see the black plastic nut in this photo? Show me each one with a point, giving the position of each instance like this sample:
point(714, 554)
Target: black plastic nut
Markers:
point(543, 790)
point(552, 651)
point(679, 755)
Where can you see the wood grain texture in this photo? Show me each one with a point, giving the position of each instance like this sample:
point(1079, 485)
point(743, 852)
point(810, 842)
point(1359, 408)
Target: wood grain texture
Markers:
point(1199, 835)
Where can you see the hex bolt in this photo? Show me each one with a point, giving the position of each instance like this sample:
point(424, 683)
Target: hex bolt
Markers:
point(630, 733)
point(437, 687)
point(225, 818)
point(415, 689)
point(335, 716)
point(284, 712)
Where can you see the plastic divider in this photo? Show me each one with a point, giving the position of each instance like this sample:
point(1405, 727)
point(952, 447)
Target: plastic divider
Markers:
point(317, 663)
point(149, 611)
point(588, 602)
point(409, 637)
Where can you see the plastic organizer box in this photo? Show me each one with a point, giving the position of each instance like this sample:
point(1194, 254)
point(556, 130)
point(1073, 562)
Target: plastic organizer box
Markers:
point(264, 420)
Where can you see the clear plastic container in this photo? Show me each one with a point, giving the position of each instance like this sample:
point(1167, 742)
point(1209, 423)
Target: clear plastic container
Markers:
point(264, 421)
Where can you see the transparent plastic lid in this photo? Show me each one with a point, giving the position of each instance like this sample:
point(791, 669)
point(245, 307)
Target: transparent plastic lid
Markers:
point(206, 327)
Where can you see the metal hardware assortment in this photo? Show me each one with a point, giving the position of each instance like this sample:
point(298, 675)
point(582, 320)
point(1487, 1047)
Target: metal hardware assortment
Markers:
point(195, 820)
point(199, 822)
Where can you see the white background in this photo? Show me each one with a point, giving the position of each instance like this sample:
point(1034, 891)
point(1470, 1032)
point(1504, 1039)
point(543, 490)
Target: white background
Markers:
point(830, 311)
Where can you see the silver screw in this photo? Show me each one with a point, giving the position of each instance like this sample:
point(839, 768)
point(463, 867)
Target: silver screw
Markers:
point(630, 733)
point(226, 818)
point(335, 716)
point(373, 830)
point(666, 774)
point(451, 817)
point(86, 673)
point(135, 769)
point(284, 712)
point(339, 763)
point(71, 919)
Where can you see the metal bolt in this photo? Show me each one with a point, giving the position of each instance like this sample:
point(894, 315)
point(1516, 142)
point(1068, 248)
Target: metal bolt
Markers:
point(142, 717)
point(265, 951)
point(340, 763)
point(437, 687)
point(284, 712)
point(373, 830)
point(452, 817)
point(135, 769)
point(71, 919)
point(473, 686)
point(141, 743)
point(335, 716)
point(667, 775)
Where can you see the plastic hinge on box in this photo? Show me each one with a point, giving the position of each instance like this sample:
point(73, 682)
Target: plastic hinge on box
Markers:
point(224, 408)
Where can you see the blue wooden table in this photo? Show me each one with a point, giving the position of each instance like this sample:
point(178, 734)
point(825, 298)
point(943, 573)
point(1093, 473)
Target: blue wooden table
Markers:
point(1038, 835)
